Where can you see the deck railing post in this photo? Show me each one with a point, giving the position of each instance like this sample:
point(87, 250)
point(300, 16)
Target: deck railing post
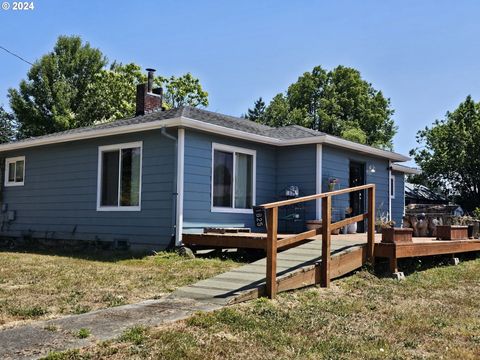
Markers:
point(371, 225)
point(326, 240)
point(272, 226)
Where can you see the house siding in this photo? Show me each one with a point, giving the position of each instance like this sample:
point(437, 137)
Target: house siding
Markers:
point(296, 165)
point(398, 204)
point(336, 164)
point(197, 183)
point(59, 198)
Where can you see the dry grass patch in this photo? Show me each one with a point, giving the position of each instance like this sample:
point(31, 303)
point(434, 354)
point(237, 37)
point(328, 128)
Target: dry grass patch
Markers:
point(38, 286)
point(433, 314)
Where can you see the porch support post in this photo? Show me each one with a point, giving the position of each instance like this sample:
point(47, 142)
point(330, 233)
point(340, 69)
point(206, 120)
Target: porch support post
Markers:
point(271, 278)
point(326, 240)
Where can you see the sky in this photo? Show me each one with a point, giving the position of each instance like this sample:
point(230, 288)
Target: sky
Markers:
point(423, 55)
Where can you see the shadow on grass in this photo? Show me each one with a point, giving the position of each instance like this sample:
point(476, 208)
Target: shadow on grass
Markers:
point(95, 254)
point(83, 254)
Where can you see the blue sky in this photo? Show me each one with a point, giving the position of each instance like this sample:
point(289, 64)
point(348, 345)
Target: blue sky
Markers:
point(424, 55)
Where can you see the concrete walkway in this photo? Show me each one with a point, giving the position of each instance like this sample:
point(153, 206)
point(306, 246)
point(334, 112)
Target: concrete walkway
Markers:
point(37, 339)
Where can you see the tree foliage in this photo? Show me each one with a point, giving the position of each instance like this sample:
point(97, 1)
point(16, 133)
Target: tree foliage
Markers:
point(258, 111)
point(338, 102)
point(51, 97)
point(449, 154)
point(73, 86)
point(7, 126)
point(183, 90)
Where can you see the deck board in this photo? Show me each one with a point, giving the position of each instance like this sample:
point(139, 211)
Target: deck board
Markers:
point(248, 280)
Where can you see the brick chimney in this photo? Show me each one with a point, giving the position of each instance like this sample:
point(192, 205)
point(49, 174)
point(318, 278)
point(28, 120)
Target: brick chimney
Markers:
point(148, 98)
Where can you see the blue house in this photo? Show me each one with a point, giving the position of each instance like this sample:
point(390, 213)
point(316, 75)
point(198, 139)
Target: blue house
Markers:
point(146, 180)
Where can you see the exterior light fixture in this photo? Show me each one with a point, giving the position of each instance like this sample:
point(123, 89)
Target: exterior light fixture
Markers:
point(371, 169)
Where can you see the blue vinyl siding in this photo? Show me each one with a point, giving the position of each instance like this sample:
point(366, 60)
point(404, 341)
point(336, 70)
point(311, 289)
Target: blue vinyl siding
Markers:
point(197, 212)
point(336, 164)
point(398, 204)
point(59, 198)
point(296, 165)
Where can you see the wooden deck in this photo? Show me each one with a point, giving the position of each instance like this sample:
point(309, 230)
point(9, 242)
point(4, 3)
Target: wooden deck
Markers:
point(300, 266)
point(310, 257)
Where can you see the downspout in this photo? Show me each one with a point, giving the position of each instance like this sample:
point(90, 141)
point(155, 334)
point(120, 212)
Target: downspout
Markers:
point(164, 133)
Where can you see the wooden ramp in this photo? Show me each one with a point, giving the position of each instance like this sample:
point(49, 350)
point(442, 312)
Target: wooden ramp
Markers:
point(296, 267)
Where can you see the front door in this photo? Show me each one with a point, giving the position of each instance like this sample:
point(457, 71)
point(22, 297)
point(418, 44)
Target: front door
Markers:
point(357, 198)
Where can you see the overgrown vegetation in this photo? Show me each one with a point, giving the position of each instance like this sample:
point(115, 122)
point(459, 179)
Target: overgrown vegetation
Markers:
point(448, 154)
point(39, 286)
point(433, 314)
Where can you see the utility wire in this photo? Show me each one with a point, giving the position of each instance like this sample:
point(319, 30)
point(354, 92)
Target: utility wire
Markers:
point(17, 56)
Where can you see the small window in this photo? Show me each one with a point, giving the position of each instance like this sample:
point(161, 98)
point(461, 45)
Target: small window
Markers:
point(392, 187)
point(233, 176)
point(15, 171)
point(119, 177)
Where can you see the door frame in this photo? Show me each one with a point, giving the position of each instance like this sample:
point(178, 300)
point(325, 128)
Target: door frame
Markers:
point(363, 166)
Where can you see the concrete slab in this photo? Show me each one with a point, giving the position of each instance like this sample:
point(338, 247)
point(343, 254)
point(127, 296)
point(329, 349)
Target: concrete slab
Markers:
point(38, 339)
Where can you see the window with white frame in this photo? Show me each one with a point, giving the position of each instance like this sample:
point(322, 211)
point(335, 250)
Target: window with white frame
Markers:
point(233, 178)
point(392, 186)
point(119, 177)
point(15, 171)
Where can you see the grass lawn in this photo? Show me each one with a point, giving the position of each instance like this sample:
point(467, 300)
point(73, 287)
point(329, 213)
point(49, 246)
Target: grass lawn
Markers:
point(433, 314)
point(40, 286)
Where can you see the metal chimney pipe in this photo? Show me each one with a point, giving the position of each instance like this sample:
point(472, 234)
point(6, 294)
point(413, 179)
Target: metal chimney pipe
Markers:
point(150, 73)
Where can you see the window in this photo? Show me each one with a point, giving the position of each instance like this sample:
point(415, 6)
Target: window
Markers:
point(15, 171)
point(119, 177)
point(233, 179)
point(392, 186)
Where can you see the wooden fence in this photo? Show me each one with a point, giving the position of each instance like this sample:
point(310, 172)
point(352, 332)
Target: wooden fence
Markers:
point(273, 244)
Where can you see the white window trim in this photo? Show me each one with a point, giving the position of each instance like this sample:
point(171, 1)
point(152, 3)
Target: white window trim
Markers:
point(119, 147)
point(392, 186)
point(234, 149)
point(9, 161)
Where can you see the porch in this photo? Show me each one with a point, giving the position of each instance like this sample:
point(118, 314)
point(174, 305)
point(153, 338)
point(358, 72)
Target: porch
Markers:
point(311, 257)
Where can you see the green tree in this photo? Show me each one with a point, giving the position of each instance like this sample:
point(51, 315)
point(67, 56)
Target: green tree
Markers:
point(7, 126)
point(338, 102)
point(257, 113)
point(111, 95)
point(449, 155)
point(72, 86)
point(183, 90)
point(51, 97)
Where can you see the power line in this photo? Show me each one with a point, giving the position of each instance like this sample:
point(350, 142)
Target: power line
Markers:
point(17, 56)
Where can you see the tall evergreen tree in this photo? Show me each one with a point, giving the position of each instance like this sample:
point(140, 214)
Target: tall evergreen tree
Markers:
point(258, 111)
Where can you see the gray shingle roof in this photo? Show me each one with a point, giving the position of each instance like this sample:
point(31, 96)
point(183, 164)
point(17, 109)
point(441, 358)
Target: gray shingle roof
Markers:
point(287, 132)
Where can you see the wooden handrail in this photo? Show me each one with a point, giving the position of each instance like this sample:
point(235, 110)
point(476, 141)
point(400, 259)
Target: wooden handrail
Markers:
point(316, 196)
point(273, 244)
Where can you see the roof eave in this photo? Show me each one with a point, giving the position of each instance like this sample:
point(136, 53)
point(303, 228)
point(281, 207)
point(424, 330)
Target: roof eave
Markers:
point(203, 126)
point(406, 169)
